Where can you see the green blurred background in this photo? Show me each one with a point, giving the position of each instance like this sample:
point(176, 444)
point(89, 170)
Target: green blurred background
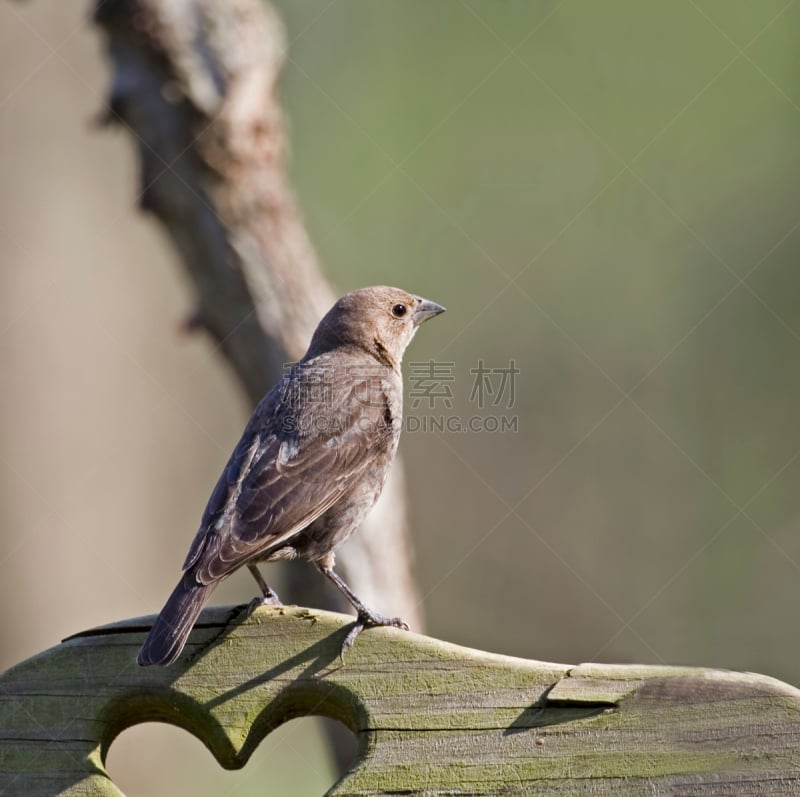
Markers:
point(606, 193)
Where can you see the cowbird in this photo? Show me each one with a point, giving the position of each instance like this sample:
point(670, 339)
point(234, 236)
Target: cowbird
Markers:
point(310, 465)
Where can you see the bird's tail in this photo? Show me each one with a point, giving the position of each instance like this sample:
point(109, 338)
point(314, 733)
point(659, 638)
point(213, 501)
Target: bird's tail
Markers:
point(168, 635)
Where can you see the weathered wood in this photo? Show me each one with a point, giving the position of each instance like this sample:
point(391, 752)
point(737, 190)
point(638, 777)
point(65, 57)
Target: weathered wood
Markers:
point(430, 717)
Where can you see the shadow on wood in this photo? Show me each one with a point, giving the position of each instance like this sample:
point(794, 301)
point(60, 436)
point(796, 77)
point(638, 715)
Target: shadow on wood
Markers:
point(429, 717)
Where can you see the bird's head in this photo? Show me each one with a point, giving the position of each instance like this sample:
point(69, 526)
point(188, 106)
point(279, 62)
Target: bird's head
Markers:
point(380, 320)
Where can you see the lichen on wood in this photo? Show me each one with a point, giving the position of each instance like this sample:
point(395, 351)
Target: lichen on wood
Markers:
point(429, 717)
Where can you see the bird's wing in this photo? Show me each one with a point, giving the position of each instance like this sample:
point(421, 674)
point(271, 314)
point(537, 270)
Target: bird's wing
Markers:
point(277, 484)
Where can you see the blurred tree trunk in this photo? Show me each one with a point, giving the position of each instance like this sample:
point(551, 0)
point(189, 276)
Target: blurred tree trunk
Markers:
point(194, 82)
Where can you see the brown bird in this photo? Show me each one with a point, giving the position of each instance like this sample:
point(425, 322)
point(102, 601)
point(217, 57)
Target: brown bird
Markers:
point(311, 463)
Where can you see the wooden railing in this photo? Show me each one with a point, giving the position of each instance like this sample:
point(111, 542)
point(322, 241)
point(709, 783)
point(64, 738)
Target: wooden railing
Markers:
point(429, 717)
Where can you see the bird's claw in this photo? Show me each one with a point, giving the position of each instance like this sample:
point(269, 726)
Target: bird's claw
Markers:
point(369, 620)
point(271, 600)
point(372, 619)
point(266, 600)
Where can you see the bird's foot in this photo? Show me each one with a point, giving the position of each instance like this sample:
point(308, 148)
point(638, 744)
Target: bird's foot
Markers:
point(368, 619)
point(270, 599)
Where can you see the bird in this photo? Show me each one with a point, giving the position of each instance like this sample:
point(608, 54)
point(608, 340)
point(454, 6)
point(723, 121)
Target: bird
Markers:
point(310, 464)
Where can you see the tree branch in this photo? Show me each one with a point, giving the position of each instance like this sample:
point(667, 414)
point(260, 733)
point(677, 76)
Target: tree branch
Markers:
point(194, 82)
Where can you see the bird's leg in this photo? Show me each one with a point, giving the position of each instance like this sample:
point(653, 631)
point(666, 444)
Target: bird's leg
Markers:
point(366, 617)
point(269, 596)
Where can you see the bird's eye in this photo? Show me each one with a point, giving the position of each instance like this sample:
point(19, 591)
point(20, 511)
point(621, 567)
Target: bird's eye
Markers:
point(399, 310)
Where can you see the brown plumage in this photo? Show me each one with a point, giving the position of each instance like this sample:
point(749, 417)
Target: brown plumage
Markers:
point(311, 463)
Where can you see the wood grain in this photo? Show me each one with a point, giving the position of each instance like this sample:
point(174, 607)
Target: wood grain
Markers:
point(430, 717)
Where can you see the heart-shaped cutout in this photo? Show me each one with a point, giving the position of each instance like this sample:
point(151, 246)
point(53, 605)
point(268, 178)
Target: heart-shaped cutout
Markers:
point(161, 760)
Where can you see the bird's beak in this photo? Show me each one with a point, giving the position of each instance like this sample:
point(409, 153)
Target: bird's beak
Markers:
point(426, 309)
